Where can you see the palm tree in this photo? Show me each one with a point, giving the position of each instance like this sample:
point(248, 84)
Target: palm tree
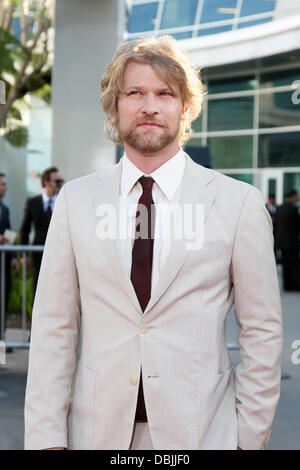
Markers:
point(26, 50)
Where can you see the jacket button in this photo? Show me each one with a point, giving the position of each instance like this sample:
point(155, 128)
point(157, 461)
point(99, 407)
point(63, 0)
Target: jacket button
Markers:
point(133, 380)
point(144, 329)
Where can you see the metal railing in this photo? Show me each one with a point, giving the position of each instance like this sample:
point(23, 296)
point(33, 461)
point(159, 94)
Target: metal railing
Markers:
point(24, 249)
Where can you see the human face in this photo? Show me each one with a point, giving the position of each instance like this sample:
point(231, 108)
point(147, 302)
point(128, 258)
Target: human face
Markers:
point(149, 112)
point(55, 183)
point(3, 186)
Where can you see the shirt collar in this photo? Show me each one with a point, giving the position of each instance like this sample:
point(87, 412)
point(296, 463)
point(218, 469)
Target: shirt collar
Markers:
point(129, 176)
point(46, 198)
point(174, 166)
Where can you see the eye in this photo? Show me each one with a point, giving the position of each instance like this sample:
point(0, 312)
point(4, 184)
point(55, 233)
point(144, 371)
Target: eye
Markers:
point(134, 93)
point(165, 93)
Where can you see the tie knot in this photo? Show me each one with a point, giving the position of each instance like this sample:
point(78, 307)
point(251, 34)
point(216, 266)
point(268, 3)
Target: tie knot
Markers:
point(146, 182)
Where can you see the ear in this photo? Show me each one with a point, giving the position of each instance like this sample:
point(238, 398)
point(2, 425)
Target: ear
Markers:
point(185, 112)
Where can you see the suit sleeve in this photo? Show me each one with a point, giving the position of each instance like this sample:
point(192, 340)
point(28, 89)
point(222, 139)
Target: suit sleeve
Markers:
point(258, 313)
point(54, 338)
point(26, 224)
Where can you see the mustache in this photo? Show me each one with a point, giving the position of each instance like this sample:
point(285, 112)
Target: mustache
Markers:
point(154, 120)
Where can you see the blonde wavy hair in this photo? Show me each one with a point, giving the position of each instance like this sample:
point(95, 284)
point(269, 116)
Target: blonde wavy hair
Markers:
point(171, 63)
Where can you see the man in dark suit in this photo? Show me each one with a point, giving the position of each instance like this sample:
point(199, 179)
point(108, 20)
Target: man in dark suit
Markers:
point(287, 230)
point(38, 210)
point(11, 260)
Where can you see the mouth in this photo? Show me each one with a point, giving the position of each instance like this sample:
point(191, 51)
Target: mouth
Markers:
point(149, 124)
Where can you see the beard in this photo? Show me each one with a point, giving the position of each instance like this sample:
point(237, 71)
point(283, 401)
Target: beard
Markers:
point(149, 140)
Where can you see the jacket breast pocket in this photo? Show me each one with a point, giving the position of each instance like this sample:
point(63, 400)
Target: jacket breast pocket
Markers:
point(208, 249)
point(81, 417)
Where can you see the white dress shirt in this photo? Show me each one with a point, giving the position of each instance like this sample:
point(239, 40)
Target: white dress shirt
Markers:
point(46, 201)
point(165, 193)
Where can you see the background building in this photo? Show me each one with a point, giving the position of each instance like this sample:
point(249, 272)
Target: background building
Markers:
point(249, 54)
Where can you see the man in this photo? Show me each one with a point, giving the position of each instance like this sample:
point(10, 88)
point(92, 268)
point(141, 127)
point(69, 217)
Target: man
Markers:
point(38, 210)
point(153, 370)
point(287, 231)
point(271, 206)
point(11, 260)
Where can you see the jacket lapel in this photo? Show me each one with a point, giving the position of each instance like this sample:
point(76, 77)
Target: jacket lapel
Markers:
point(198, 188)
point(110, 194)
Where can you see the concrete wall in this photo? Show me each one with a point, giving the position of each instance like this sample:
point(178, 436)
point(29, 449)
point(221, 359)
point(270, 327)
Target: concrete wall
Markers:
point(87, 32)
point(13, 164)
point(286, 8)
point(245, 44)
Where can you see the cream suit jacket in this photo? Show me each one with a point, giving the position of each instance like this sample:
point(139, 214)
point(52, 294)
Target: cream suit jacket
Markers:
point(90, 337)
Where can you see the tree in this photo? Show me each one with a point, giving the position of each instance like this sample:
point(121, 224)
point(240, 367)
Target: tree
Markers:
point(26, 44)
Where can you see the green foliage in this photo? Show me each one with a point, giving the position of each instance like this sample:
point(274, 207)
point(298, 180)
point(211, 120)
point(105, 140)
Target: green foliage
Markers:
point(24, 67)
point(11, 53)
point(15, 298)
point(15, 113)
point(17, 137)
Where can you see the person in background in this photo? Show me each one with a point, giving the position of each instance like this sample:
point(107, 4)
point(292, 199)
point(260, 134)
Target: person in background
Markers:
point(271, 206)
point(11, 259)
point(38, 211)
point(287, 230)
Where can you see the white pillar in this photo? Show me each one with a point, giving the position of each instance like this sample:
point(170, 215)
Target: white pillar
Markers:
point(87, 32)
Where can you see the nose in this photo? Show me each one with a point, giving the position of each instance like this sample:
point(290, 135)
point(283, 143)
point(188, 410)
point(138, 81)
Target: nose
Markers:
point(150, 105)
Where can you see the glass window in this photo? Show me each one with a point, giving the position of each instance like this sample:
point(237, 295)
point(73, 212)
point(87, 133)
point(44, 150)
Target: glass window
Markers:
point(231, 152)
point(253, 23)
point(230, 114)
point(143, 17)
point(218, 10)
point(245, 177)
point(16, 27)
point(253, 7)
point(119, 152)
point(278, 109)
point(207, 31)
point(279, 150)
point(274, 79)
point(198, 152)
point(186, 35)
point(197, 124)
point(178, 13)
point(272, 187)
point(233, 84)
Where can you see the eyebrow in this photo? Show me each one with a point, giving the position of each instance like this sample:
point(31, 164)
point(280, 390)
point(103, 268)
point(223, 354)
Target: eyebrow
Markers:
point(167, 88)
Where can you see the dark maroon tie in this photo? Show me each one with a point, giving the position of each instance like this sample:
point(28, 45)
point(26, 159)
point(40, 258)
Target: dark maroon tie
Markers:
point(141, 268)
